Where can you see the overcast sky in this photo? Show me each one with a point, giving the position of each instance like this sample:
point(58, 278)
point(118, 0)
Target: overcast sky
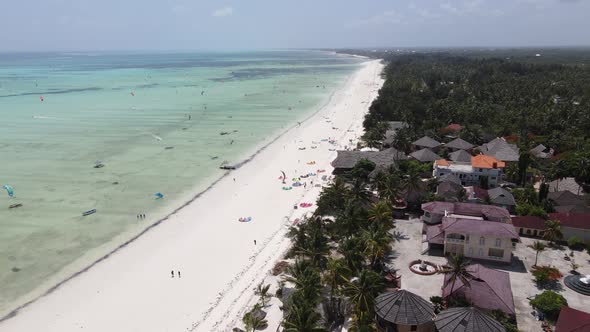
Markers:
point(251, 24)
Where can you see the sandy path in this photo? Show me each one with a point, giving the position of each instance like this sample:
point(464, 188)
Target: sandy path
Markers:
point(133, 290)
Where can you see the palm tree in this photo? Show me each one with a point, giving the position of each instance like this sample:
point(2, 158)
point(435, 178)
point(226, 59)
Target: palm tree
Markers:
point(333, 197)
point(302, 317)
point(552, 231)
point(412, 183)
point(252, 321)
point(352, 249)
point(262, 291)
point(362, 291)
point(458, 271)
point(376, 241)
point(359, 193)
point(380, 213)
point(335, 272)
point(537, 246)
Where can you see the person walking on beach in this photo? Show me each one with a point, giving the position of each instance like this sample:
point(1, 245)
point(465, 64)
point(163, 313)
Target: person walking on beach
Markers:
point(172, 273)
point(179, 273)
point(254, 242)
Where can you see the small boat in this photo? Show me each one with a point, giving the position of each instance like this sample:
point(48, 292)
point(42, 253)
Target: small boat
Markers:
point(89, 212)
point(224, 133)
point(169, 148)
point(15, 205)
point(227, 167)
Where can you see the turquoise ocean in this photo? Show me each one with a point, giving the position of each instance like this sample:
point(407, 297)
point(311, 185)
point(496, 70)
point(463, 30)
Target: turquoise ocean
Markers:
point(157, 123)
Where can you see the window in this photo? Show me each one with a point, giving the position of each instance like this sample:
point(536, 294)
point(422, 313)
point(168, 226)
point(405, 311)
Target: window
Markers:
point(414, 328)
point(498, 242)
point(482, 241)
point(498, 253)
point(427, 214)
point(480, 252)
point(493, 177)
point(528, 232)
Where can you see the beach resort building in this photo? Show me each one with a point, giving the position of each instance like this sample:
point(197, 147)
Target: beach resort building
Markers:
point(460, 156)
point(572, 224)
point(488, 289)
point(426, 142)
point(473, 172)
point(403, 311)
point(567, 202)
point(563, 184)
point(459, 144)
point(346, 160)
point(435, 211)
point(424, 156)
point(473, 238)
point(501, 150)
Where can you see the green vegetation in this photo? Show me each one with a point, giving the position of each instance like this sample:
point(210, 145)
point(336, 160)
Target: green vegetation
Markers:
point(550, 303)
point(575, 243)
point(552, 231)
point(528, 104)
point(538, 247)
point(546, 275)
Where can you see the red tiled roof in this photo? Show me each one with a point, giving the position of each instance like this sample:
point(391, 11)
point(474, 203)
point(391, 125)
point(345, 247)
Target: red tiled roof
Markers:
point(531, 222)
point(454, 126)
point(574, 220)
point(480, 227)
point(572, 320)
point(489, 289)
point(467, 209)
point(483, 161)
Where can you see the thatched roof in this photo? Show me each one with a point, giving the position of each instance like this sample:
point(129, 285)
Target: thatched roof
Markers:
point(404, 308)
point(459, 144)
point(460, 156)
point(348, 159)
point(426, 142)
point(501, 150)
point(425, 155)
point(466, 319)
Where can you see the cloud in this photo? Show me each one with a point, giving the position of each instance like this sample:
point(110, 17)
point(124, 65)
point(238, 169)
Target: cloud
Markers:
point(386, 17)
point(223, 12)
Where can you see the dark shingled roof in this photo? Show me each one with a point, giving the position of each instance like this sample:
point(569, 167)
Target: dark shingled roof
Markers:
point(568, 184)
point(403, 308)
point(449, 178)
point(347, 159)
point(572, 320)
point(448, 189)
point(459, 144)
point(460, 156)
point(395, 125)
point(489, 289)
point(426, 142)
point(501, 150)
point(566, 197)
point(425, 155)
point(482, 227)
point(501, 196)
point(466, 319)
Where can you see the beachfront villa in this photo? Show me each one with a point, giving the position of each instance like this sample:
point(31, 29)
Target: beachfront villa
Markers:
point(473, 238)
point(471, 173)
point(501, 150)
point(346, 160)
point(435, 211)
point(488, 289)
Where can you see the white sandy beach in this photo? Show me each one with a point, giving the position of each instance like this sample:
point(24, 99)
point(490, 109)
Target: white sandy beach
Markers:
point(220, 265)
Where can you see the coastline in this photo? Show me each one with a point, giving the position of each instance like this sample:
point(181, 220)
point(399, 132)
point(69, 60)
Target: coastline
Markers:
point(125, 265)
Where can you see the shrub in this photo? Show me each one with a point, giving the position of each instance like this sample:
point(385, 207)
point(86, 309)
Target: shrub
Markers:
point(438, 303)
point(507, 321)
point(575, 243)
point(545, 274)
point(550, 303)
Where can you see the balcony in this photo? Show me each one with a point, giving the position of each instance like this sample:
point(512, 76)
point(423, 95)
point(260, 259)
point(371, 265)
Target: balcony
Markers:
point(453, 240)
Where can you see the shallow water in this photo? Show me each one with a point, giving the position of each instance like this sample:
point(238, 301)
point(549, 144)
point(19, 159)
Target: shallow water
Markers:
point(153, 120)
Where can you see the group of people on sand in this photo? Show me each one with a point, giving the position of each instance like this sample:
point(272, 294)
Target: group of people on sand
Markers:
point(141, 216)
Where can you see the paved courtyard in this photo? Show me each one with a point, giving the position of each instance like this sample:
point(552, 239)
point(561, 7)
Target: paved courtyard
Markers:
point(408, 247)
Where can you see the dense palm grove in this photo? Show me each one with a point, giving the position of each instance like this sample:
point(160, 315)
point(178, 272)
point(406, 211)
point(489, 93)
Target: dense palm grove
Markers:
point(527, 103)
point(339, 255)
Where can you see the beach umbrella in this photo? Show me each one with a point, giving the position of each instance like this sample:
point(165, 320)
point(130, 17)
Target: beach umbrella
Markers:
point(159, 195)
